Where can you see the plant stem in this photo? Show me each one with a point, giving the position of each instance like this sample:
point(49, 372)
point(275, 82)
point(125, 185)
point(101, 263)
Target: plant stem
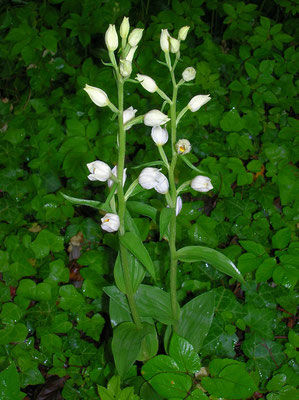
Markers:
point(122, 204)
point(172, 227)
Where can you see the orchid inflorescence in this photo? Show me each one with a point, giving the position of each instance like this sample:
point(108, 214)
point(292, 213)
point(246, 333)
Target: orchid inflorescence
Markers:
point(149, 178)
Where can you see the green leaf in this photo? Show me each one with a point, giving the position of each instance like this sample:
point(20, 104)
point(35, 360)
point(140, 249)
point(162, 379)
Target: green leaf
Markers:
point(45, 242)
point(281, 238)
point(70, 298)
point(190, 165)
point(142, 209)
point(229, 379)
point(91, 203)
point(196, 318)
point(136, 273)
point(251, 70)
point(211, 256)
point(165, 218)
point(10, 384)
point(126, 345)
point(137, 248)
point(231, 121)
point(165, 377)
point(184, 355)
point(155, 303)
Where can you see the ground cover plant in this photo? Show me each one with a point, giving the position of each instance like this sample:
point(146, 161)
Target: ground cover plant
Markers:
point(66, 326)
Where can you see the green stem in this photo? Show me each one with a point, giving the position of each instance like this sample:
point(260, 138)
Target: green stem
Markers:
point(122, 205)
point(172, 227)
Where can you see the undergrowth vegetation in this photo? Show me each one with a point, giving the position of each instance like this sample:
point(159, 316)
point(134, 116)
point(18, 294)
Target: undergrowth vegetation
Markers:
point(59, 304)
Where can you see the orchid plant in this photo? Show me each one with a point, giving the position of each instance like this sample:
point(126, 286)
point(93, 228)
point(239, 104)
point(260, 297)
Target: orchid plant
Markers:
point(135, 308)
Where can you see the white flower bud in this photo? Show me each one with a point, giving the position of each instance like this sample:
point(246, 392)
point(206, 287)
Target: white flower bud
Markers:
point(135, 37)
point(183, 146)
point(183, 32)
point(174, 45)
point(98, 96)
point(114, 172)
point(124, 28)
point(100, 171)
point(152, 178)
point(164, 41)
point(198, 101)
point(155, 118)
point(147, 83)
point(125, 68)
point(130, 55)
point(110, 222)
point(179, 205)
point(111, 38)
point(189, 74)
point(128, 114)
point(159, 135)
point(201, 184)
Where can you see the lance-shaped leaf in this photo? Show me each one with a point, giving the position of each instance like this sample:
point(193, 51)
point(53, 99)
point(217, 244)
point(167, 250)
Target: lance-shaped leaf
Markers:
point(90, 203)
point(142, 209)
point(196, 318)
point(190, 165)
point(210, 256)
point(134, 244)
point(165, 218)
point(126, 344)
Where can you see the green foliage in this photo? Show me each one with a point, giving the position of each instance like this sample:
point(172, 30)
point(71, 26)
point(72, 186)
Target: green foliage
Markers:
point(56, 264)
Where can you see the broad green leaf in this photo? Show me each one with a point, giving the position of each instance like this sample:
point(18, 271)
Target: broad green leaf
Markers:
point(136, 247)
point(229, 380)
point(165, 218)
point(142, 209)
point(10, 384)
point(281, 238)
point(166, 378)
point(196, 318)
point(184, 355)
point(70, 298)
point(126, 345)
point(90, 203)
point(136, 273)
point(154, 302)
point(211, 256)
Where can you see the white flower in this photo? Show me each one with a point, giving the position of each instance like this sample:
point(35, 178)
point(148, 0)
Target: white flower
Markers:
point(111, 38)
point(98, 96)
point(110, 222)
point(124, 28)
point(174, 45)
point(189, 74)
point(183, 32)
point(114, 172)
point(201, 184)
point(100, 171)
point(164, 41)
point(152, 178)
point(179, 205)
point(159, 135)
point(183, 146)
point(198, 101)
point(154, 118)
point(131, 53)
point(135, 37)
point(128, 115)
point(125, 68)
point(147, 83)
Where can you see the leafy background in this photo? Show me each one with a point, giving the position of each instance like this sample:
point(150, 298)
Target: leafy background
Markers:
point(55, 333)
